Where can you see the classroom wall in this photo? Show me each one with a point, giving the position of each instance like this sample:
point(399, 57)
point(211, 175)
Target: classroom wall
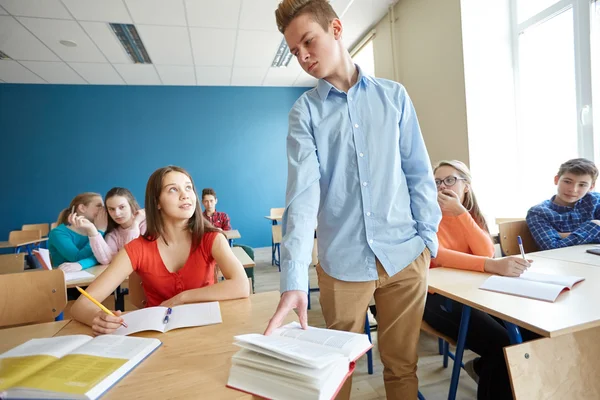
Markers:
point(423, 51)
point(60, 140)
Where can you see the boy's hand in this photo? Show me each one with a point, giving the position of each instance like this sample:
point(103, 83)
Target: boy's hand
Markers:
point(564, 234)
point(450, 203)
point(289, 300)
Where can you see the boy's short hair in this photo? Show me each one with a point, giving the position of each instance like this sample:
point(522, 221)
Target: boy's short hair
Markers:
point(579, 166)
point(209, 192)
point(320, 10)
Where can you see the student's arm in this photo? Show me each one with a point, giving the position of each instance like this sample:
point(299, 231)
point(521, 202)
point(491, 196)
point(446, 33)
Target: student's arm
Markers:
point(480, 242)
point(547, 237)
point(226, 223)
point(459, 260)
point(299, 218)
point(87, 312)
point(104, 249)
point(88, 262)
point(419, 176)
point(63, 243)
point(235, 285)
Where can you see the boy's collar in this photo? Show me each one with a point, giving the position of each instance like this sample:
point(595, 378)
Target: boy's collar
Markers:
point(558, 207)
point(324, 87)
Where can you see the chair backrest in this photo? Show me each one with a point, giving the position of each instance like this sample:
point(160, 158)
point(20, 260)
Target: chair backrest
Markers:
point(276, 230)
point(53, 225)
point(315, 254)
point(508, 233)
point(11, 263)
point(32, 297)
point(277, 212)
point(137, 296)
point(15, 237)
point(43, 228)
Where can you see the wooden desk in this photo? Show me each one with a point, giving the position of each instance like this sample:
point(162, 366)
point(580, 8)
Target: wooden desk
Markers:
point(274, 218)
point(575, 254)
point(18, 245)
point(231, 235)
point(193, 362)
point(243, 257)
point(12, 337)
point(97, 270)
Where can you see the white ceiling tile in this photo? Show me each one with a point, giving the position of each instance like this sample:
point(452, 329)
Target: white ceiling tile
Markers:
point(36, 8)
point(20, 44)
point(256, 48)
point(157, 12)
point(107, 41)
point(213, 47)
point(250, 76)
point(13, 72)
point(138, 74)
point(213, 76)
point(54, 72)
point(213, 14)
point(280, 77)
point(94, 10)
point(98, 74)
point(176, 75)
point(167, 45)
point(51, 32)
point(305, 80)
point(259, 15)
point(340, 6)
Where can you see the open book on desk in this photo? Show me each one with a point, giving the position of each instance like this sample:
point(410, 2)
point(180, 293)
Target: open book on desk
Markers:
point(43, 257)
point(293, 363)
point(70, 367)
point(162, 320)
point(532, 285)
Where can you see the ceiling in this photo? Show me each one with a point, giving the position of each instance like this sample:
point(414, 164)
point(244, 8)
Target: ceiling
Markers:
point(190, 42)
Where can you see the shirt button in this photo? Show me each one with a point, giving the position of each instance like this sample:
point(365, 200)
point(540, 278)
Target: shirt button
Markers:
point(365, 183)
point(371, 241)
point(361, 154)
point(368, 214)
point(356, 125)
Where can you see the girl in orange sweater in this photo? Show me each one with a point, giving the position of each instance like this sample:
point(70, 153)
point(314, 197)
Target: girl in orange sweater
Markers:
point(465, 243)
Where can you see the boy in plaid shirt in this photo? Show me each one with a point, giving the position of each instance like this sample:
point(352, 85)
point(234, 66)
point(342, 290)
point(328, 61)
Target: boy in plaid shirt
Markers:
point(572, 216)
point(217, 218)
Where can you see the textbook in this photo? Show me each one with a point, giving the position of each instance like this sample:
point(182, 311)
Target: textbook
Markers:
point(293, 363)
point(532, 285)
point(43, 257)
point(70, 367)
point(163, 319)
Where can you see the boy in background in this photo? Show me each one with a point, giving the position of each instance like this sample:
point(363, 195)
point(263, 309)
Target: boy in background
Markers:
point(217, 218)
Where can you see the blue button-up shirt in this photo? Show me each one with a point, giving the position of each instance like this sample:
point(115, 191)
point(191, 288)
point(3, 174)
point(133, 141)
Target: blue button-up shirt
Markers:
point(547, 219)
point(358, 166)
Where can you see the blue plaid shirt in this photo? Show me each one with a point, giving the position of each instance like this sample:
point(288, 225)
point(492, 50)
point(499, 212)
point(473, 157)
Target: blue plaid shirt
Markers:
point(547, 219)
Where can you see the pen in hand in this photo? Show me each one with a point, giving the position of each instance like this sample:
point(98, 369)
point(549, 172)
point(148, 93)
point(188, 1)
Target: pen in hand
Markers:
point(521, 247)
point(96, 302)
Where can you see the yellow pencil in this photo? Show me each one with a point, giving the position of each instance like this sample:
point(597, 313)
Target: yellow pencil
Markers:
point(96, 302)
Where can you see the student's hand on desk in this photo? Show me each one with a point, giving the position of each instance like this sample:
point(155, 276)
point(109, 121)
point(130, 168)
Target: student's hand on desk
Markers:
point(70, 267)
point(104, 324)
point(101, 220)
point(289, 300)
point(450, 203)
point(82, 224)
point(173, 301)
point(507, 266)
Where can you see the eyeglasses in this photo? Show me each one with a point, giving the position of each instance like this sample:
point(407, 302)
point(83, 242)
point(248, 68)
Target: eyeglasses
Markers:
point(448, 181)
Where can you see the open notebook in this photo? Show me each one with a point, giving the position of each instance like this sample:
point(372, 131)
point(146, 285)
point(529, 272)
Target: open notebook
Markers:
point(294, 363)
point(70, 367)
point(532, 285)
point(161, 320)
point(43, 257)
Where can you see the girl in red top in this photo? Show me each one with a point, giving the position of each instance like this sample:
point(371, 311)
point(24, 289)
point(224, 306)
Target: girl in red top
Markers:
point(175, 259)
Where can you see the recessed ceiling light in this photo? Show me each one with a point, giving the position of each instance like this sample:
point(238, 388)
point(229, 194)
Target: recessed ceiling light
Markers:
point(68, 43)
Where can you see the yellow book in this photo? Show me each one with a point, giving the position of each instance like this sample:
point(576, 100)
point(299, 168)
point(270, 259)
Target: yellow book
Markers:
point(70, 367)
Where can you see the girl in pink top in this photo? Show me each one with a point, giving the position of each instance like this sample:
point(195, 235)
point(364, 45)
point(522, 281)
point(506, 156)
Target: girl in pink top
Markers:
point(126, 222)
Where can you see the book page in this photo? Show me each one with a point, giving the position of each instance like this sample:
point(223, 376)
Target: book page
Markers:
point(77, 276)
point(146, 319)
point(562, 280)
point(523, 288)
point(113, 346)
point(34, 355)
point(197, 314)
point(303, 353)
point(347, 343)
point(45, 254)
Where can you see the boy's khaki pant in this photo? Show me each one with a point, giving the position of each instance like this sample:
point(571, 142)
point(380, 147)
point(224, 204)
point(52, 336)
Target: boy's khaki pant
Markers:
point(400, 301)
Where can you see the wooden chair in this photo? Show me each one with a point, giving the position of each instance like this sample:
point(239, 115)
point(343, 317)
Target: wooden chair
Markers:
point(43, 228)
point(508, 233)
point(11, 263)
point(16, 237)
point(276, 212)
point(276, 239)
point(137, 296)
point(53, 225)
point(32, 297)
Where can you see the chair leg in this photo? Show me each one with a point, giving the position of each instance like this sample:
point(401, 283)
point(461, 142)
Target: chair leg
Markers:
point(60, 317)
point(460, 348)
point(420, 396)
point(370, 352)
point(279, 256)
point(308, 294)
point(446, 353)
point(440, 346)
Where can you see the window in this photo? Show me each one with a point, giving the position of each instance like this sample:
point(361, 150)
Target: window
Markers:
point(595, 46)
point(363, 54)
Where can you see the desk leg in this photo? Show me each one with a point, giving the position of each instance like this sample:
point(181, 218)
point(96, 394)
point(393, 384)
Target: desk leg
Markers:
point(460, 348)
point(273, 245)
point(230, 242)
point(28, 247)
point(514, 333)
point(60, 317)
point(119, 299)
